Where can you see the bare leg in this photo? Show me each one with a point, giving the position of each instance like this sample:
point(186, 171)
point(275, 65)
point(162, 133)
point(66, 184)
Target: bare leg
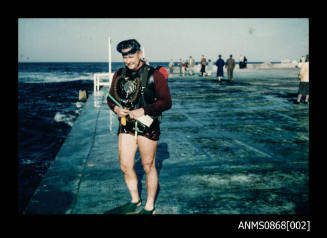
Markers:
point(127, 148)
point(299, 97)
point(307, 98)
point(148, 150)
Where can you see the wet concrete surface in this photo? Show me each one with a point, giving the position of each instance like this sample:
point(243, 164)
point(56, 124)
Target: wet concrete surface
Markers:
point(229, 148)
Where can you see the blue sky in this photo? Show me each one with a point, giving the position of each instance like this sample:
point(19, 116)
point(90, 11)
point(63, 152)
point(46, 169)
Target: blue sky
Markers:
point(86, 39)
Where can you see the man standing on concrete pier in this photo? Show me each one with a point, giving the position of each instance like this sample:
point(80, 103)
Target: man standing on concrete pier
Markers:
point(191, 65)
point(203, 66)
point(171, 66)
point(220, 68)
point(230, 65)
point(304, 82)
point(142, 91)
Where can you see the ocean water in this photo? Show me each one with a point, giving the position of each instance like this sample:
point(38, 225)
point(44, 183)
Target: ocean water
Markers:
point(47, 108)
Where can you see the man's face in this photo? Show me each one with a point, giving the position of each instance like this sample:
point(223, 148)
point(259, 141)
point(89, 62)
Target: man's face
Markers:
point(132, 61)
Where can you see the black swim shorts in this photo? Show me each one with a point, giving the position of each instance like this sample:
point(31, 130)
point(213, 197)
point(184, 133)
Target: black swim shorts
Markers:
point(152, 132)
point(304, 88)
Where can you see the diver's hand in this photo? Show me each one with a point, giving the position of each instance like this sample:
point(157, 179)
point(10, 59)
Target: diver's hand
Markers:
point(121, 112)
point(136, 113)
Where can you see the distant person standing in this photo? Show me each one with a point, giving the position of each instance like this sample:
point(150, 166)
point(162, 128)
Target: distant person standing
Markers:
point(180, 64)
point(209, 67)
point(146, 60)
point(220, 68)
point(230, 65)
point(302, 61)
point(186, 65)
point(203, 66)
point(191, 65)
point(304, 82)
point(171, 66)
point(245, 61)
point(183, 68)
point(241, 63)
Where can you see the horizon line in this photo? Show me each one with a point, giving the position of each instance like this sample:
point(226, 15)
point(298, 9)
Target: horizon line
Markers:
point(123, 62)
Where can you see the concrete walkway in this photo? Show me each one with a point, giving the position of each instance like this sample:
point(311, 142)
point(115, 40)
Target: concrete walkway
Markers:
point(239, 148)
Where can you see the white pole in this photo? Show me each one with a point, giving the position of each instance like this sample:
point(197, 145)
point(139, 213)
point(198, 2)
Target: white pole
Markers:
point(98, 82)
point(94, 83)
point(109, 77)
point(109, 55)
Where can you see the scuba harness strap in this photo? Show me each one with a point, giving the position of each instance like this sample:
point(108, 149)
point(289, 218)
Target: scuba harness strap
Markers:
point(144, 82)
point(144, 86)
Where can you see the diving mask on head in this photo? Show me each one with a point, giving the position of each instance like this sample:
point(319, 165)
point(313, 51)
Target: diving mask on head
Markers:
point(128, 47)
